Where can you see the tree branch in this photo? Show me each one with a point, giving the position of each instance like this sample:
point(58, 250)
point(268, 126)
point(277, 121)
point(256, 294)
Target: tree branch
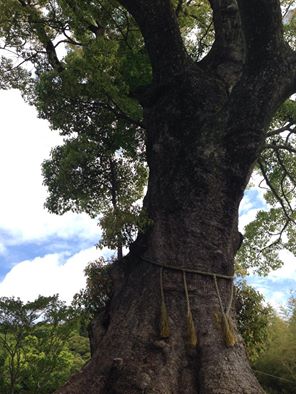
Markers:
point(280, 130)
point(120, 113)
point(122, 33)
point(285, 170)
point(96, 29)
point(269, 74)
point(38, 25)
point(201, 41)
point(275, 193)
point(262, 29)
point(278, 147)
point(159, 26)
point(277, 240)
point(284, 193)
point(179, 7)
point(287, 9)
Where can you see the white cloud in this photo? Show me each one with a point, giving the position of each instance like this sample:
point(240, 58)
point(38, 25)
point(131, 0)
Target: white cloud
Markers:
point(288, 270)
point(277, 299)
point(48, 275)
point(250, 205)
point(2, 248)
point(257, 180)
point(276, 286)
point(246, 218)
point(246, 204)
point(25, 141)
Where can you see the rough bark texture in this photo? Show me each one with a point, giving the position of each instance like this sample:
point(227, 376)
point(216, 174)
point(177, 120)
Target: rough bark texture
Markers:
point(205, 125)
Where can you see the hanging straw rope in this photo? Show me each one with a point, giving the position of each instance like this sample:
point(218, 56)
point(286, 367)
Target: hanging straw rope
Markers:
point(191, 331)
point(230, 338)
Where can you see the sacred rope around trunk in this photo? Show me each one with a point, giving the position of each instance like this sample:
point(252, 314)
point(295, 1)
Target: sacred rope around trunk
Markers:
point(229, 336)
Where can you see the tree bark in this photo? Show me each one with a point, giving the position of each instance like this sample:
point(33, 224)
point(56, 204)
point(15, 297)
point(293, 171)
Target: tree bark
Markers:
point(205, 128)
point(193, 198)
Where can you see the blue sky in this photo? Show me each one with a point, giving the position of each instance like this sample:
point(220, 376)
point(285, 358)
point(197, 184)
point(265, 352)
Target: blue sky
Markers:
point(40, 253)
point(45, 254)
point(277, 285)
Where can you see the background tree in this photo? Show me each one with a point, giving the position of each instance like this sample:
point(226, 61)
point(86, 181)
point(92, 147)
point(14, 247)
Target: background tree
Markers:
point(82, 178)
point(274, 226)
point(206, 112)
point(253, 319)
point(279, 359)
point(34, 336)
point(92, 301)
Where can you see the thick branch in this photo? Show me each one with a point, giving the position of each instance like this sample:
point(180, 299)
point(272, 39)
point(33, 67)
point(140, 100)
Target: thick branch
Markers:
point(38, 25)
point(49, 47)
point(263, 30)
point(158, 24)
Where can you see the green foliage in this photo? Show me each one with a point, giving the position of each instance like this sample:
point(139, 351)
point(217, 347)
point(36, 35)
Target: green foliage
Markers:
point(122, 226)
point(34, 355)
point(81, 176)
point(279, 359)
point(196, 25)
point(253, 319)
point(288, 7)
point(261, 243)
point(274, 227)
point(285, 114)
point(94, 298)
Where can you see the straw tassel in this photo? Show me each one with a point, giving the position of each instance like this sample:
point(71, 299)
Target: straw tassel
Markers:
point(164, 317)
point(229, 335)
point(230, 339)
point(191, 331)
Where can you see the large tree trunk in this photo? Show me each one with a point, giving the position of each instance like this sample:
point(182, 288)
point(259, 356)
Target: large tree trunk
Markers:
point(205, 127)
point(193, 197)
